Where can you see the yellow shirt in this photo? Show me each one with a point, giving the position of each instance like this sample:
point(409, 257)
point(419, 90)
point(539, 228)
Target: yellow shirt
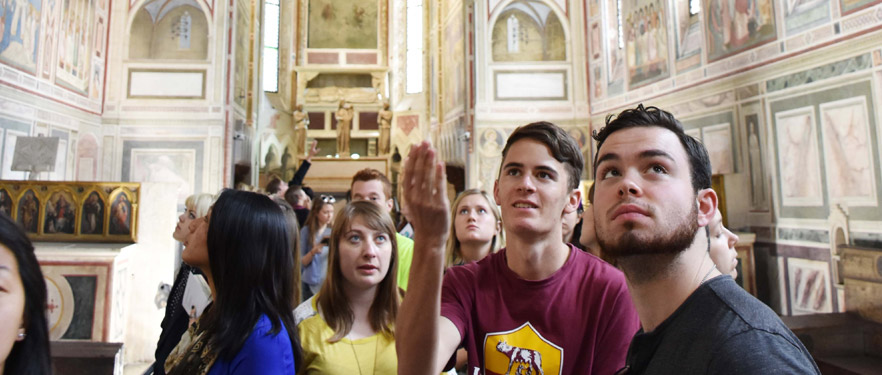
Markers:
point(369, 355)
point(405, 256)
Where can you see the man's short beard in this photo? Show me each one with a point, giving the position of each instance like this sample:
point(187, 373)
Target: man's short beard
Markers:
point(645, 259)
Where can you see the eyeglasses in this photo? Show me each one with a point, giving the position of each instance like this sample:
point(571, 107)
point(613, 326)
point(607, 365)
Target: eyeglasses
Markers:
point(328, 198)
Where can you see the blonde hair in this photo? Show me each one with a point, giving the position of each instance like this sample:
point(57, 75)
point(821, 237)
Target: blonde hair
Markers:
point(454, 254)
point(199, 203)
point(332, 299)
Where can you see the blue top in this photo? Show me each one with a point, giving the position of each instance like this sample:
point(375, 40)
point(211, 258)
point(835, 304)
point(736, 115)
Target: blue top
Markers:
point(314, 272)
point(262, 353)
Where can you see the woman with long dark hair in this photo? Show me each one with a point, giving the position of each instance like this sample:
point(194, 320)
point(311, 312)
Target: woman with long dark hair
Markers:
point(349, 326)
point(24, 333)
point(313, 243)
point(242, 247)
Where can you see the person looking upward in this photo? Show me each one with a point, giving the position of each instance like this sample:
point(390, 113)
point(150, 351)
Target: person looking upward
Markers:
point(652, 197)
point(371, 185)
point(536, 299)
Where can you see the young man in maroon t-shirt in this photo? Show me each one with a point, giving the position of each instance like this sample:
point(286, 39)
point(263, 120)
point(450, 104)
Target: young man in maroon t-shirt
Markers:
point(538, 306)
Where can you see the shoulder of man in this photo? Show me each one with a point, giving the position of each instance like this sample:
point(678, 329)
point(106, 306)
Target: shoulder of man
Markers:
point(756, 351)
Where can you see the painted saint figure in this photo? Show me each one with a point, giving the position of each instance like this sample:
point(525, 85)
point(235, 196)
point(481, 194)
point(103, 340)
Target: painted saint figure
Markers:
point(120, 215)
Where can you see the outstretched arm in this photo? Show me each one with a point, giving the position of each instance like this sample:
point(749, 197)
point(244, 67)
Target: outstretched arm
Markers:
point(304, 166)
point(425, 341)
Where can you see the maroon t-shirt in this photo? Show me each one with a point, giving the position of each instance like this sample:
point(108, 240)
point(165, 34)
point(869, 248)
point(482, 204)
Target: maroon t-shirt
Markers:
point(580, 320)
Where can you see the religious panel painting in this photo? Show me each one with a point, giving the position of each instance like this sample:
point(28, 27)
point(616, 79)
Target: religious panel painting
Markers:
point(759, 194)
point(733, 26)
point(687, 35)
point(343, 24)
point(5, 203)
point(73, 211)
point(798, 158)
point(120, 220)
point(29, 211)
point(646, 41)
point(848, 151)
point(20, 23)
point(528, 30)
point(61, 213)
point(92, 221)
point(805, 14)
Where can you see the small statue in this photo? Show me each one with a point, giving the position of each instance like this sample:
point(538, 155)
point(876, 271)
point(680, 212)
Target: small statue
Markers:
point(384, 118)
point(344, 115)
point(301, 123)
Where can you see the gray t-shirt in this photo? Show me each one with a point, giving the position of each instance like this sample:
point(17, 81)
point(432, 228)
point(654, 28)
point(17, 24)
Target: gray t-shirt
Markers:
point(719, 329)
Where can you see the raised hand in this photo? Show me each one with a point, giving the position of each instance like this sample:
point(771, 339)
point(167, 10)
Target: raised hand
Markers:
point(313, 150)
point(425, 194)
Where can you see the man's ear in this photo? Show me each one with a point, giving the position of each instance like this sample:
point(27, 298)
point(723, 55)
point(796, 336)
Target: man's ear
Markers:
point(573, 200)
point(496, 191)
point(390, 204)
point(707, 206)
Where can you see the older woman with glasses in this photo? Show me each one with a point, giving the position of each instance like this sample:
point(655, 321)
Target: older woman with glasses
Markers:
point(314, 238)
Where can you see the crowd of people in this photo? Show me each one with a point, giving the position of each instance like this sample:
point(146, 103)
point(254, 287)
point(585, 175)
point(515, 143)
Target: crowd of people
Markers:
point(637, 278)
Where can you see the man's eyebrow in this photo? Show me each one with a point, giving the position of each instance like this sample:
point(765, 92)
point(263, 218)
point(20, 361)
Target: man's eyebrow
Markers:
point(546, 168)
point(656, 153)
point(513, 165)
point(608, 157)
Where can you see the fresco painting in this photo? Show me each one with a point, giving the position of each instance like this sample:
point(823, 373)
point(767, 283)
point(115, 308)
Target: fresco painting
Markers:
point(20, 33)
point(343, 24)
point(735, 26)
point(646, 41)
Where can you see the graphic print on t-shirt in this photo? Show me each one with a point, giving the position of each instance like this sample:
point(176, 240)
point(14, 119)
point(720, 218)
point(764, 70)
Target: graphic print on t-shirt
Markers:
point(522, 350)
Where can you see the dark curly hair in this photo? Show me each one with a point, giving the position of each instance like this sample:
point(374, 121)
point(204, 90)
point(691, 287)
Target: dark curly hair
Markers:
point(699, 161)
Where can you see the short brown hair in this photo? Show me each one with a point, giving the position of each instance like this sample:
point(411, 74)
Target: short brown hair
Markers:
point(370, 174)
point(274, 186)
point(560, 144)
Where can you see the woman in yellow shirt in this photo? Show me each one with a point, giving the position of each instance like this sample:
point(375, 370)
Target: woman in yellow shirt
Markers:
point(349, 326)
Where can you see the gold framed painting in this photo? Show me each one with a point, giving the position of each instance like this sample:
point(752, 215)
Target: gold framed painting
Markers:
point(73, 211)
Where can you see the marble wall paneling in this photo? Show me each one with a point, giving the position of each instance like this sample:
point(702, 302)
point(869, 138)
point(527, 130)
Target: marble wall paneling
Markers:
point(848, 151)
point(800, 187)
point(809, 286)
point(11, 129)
point(178, 162)
point(718, 140)
point(87, 158)
point(860, 165)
